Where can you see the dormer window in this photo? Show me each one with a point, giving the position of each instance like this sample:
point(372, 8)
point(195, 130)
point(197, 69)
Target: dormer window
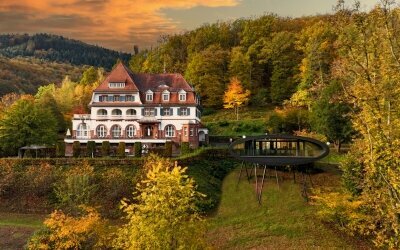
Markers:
point(149, 96)
point(116, 85)
point(182, 96)
point(165, 96)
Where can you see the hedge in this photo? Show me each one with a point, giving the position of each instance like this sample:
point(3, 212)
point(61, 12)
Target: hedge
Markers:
point(76, 149)
point(105, 148)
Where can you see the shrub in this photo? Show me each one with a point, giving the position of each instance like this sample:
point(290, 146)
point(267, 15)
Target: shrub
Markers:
point(86, 231)
point(105, 148)
point(60, 149)
point(121, 149)
point(138, 149)
point(185, 148)
point(76, 149)
point(76, 188)
point(91, 148)
point(168, 149)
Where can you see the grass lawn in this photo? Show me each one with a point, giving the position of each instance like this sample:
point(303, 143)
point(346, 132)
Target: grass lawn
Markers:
point(15, 229)
point(252, 121)
point(283, 221)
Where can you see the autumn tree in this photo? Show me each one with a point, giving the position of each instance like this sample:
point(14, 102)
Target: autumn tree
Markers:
point(235, 96)
point(369, 70)
point(164, 214)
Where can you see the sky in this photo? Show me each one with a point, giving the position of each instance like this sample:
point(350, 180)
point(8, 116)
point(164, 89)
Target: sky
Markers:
point(120, 24)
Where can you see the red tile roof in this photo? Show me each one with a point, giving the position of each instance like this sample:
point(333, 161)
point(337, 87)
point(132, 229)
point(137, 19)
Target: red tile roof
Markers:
point(143, 82)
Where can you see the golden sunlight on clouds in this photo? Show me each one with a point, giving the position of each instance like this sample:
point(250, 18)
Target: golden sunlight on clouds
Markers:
point(116, 24)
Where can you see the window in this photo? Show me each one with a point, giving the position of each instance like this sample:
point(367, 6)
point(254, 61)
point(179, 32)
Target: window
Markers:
point(167, 111)
point(149, 96)
point(182, 96)
point(184, 111)
point(116, 131)
point(131, 112)
point(185, 131)
point(165, 96)
point(116, 112)
point(102, 112)
point(116, 98)
point(191, 132)
point(129, 98)
point(169, 131)
point(82, 131)
point(114, 85)
point(149, 112)
point(130, 131)
point(103, 98)
point(101, 131)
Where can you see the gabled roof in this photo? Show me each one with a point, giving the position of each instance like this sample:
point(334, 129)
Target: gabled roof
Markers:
point(119, 74)
point(143, 82)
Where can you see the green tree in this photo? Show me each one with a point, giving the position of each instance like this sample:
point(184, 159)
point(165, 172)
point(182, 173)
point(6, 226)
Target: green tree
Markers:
point(89, 76)
point(164, 214)
point(207, 71)
point(26, 123)
point(332, 118)
point(240, 66)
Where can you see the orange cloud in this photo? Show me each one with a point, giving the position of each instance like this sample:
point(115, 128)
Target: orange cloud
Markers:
point(116, 24)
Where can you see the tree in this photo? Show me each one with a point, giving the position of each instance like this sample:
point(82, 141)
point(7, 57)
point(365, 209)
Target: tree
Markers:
point(331, 118)
point(89, 76)
point(235, 96)
point(164, 214)
point(26, 123)
point(207, 71)
point(240, 66)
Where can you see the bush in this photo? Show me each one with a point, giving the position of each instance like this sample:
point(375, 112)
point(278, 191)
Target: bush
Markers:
point(60, 149)
point(185, 148)
point(138, 149)
point(168, 149)
point(76, 149)
point(105, 148)
point(91, 148)
point(121, 149)
point(76, 188)
point(86, 231)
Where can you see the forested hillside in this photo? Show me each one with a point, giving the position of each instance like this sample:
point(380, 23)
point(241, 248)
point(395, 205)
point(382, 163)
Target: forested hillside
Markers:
point(59, 49)
point(26, 75)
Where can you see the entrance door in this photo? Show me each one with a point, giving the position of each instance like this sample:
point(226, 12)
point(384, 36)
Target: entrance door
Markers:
point(148, 131)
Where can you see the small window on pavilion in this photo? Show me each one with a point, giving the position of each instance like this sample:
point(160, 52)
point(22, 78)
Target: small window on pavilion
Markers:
point(116, 85)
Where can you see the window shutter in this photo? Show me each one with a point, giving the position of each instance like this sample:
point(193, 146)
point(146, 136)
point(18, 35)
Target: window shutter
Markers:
point(179, 111)
point(171, 111)
point(142, 111)
point(188, 111)
point(161, 111)
point(155, 112)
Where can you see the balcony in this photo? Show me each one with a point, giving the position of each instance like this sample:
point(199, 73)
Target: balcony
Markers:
point(81, 116)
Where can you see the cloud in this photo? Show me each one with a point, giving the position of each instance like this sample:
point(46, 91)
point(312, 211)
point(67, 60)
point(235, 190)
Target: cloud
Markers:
point(117, 24)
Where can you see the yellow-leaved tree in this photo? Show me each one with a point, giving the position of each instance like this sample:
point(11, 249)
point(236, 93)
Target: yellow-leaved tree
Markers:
point(235, 96)
point(164, 214)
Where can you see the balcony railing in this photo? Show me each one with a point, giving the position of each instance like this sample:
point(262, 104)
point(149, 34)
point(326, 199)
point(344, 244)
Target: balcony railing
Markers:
point(81, 116)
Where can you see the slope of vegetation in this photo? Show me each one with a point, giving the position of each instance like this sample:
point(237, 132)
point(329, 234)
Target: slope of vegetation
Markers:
point(26, 75)
point(284, 220)
point(58, 49)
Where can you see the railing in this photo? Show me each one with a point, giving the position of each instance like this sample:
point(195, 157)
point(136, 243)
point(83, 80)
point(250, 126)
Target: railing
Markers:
point(82, 116)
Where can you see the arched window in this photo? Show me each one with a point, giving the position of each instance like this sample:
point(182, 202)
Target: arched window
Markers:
point(116, 112)
point(101, 131)
point(169, 131)
point(82, 130)
point(130, 131)
point(131, 112)
point(101, 112)
point(116, 131)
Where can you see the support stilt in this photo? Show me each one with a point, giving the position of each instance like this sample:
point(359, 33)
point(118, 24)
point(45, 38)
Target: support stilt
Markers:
point(247, 173)
point(277, 179)
point(304, 189)
point(262, 185)
point(255, 175)
point(240, 174)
